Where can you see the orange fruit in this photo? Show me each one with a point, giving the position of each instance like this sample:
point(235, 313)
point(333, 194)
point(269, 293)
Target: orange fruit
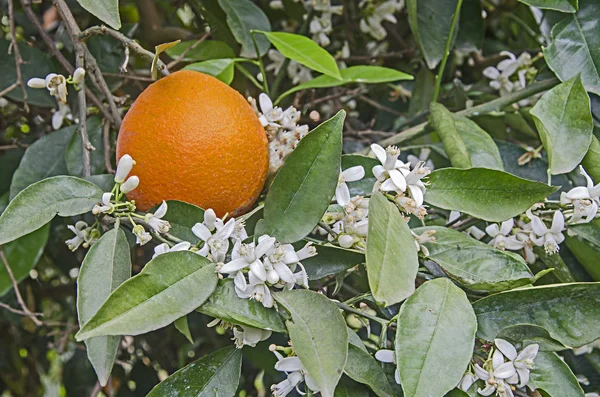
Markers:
point(197, 140)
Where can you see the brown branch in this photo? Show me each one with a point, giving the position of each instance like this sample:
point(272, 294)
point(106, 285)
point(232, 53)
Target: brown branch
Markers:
point(106, 141)
point(86, 146)
point(15, 46)
point(9, 89)
point(184, 53)
point(378, 105)
point(17, 311)
point(129, 77)
point(28, 312)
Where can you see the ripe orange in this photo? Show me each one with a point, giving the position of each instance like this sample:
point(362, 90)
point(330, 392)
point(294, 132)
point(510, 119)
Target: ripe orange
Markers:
point(197, 140)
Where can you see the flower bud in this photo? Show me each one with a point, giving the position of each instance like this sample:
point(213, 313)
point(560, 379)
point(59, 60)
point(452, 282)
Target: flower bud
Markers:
point(124, 167)
point(346, 241)
point(272, 277)
point(36, 83)
point(78, 75)
point(130, 184)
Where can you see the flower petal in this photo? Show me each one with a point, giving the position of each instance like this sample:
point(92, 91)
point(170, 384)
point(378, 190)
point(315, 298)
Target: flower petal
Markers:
point(354, 174)
point(342, 194)
point(379, 153)
point(506, 348)
point(201, 231)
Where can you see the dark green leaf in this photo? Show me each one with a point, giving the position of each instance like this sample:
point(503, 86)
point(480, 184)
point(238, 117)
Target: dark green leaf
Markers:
point(482, 149)
point(331, 260)
point(363, 187)
point(557, 5)
point(526, 334)
point(181, 324)
point(454, 146)
point(553, 376)
point(223, 69)
point(363, 368)
point(471, 28)
point(183, 216)
point(207, 50)
point(244, 16)
point(349, 388)
point(105, 10)
point(73, 155)
point(591, 161)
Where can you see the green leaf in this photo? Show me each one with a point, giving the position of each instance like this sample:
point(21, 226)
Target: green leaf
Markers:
point(527, 334)
point(74, 149)
point(364, 187)
point(430, 22)
point(585, 246)
point(567, 311)
point(363, 368)
point(243, 16)
point(22, 255)
point(364, 74)
point(43, 159)
point(482, 149)
point(304, 186)
point(553, 376)
point(564, 121)
point(38, 204)
point(591, 161)
point(472, 28)
point(434, 339)
point(491, 195)
point(561, 271)
point(223, 69)
point(349, 388)
point(226, 305)
point(474, 264)
point(217, 374)
point(106, 266)
point(454, 146)
point(318, 332)
point(575, 46)
point(207, 50)
point(105, 10)
point(183, 216)
point(392, 260)
point(181, 324)
point(556, 5)
point(304, 51)
point(331, 260)
point(169, 287)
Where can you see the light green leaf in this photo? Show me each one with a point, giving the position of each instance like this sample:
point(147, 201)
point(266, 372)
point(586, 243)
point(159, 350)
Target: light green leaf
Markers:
point(553, 376)
point(217, 374)
point(591, 161)
point(364, 186)
point(567, 311)
point(556, 5)
point(490, 195)
point(226, 305)
point(304, 186)
point(304, 51)
point(38, 204)
point(575, 46)
point(243, 16)
point(430, 22)
point(363, 368)
point(22, 255)
point(73, 155)
point(169, 287)
point(584, 243)
point(434, 338)
point(564, 121)
point(330, 260)
point(223, 69)
point(365, 74)
point(106, 266)
point(318, 332)
point(392, 260)
point(482, 149)
point(454, 146)
point(474, 264)
point(105, 10)
point(205, 51)
point(181, 324)
point(527, 334)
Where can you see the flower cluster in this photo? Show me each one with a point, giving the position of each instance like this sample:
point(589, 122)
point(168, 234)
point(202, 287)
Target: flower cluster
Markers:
point(351, 226)
point(294, 371)
point(283, 131)
point(501, 75)
point(296, 72)
point(584, 199)
point(374, 15)
point(243, 335)
point(321, 26)
point(84, 235)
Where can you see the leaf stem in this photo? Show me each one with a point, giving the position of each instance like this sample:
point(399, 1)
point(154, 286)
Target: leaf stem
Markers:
point(440, 75)
point(260, 62)
point(246, 73)
point(352, 310)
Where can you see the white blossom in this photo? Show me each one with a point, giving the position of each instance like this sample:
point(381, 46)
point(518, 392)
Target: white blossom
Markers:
point(249, 336)
point(352, 174)
point(56, 84)
point(501, 238)
point(124, 167)
point(58, 117)
point(388, 356)
point(296, 374)
point(423, 156)
point(155, 222)
point(548, 238)
point(81, 235)
point(164, 248)
point(389, 177)
point(78, 75)
point(372, 23)
point(585, 200)
point(130, 184)
point(423, 238)
point(142, 236)
point(216, 244)
point(501, 74)
point(522, 362)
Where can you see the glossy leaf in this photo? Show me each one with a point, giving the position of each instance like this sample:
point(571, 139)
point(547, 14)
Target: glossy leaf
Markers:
point(73, 153)
point(527, 334)
point(215, 374)
point(585, 246)
point(38, 204)
point(169, 287)
point(106, 266)
point(454, 145)
point(105, 10)
point(222, 69)
point(22, 255)
point(430, 22)
point(226, 305)
point(304, 51)
point(318, 332)
point(567, 311)
point(243, 16)
point(575, 46)
point(434, 338)
point(181, 324)
point(564, 121)
point(474, 264)
point(304, 186)
point(491, 195)
point(183, 216)
point(481, 148)
point(330, 260)
point(392, 260)
point(553, 376)
point(363, 368)
point(591, 161)
point(556, 5)
point(363, 187)
point(207, 50)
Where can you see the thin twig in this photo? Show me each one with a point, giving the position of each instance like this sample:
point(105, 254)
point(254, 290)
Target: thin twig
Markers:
point(184, 53)
point(379, 106)
point(96, 390)
point(8, 147)
point(15, 47)
point(129, 77)
point(28, 312)
point(86, 146)
point(106, 142)
point(449, 41)
point(8, 89)
point(17, 311)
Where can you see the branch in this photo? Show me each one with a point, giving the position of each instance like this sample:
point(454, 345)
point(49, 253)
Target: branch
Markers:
point(106, 142)
point(17, 52)
point(9, 89)
point(184, 53)
point(86, 146)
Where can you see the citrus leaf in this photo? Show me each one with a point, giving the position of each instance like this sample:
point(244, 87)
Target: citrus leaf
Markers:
point(330, 260)
point(74, 149)
point(182, 216)
point(591, 161)
point(474, 264)
point(527, 334)
point(223, 69)
point(304, 186)
point(169, 287)
point(350, 388)
point(471, 28)
point(159, 49)
point(105, 10)
point(567, 311)
point(564, 121)
point(243, 16)
point(106, 266)
point(435, 338)
point(553, 376)
point(181, 324)
point(491, 195)
point(219, 371)
point(205, 51)
point(392, 260)
point(482, 149)
point(364, 186)
point(305, 51)
point(454, 146)
point(363, 368)
point(556, 5)
point(39, 203)
point(226, 305)
point(318, 332)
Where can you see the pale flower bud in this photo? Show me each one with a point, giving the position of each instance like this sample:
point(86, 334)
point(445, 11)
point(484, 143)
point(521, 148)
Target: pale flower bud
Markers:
point(345, 240)
point(130, 184)
point(36, 83)
point(124, 167)
point(78, 75)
